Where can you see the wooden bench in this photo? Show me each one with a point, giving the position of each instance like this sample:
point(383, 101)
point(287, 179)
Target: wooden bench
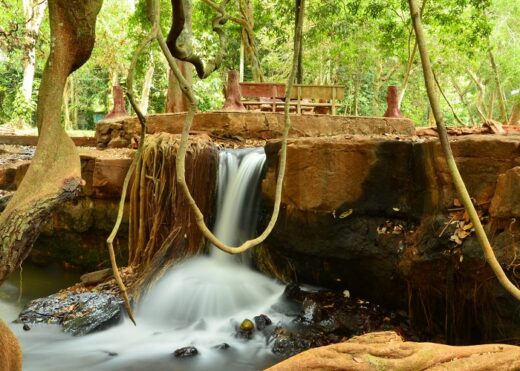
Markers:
point(258, 94)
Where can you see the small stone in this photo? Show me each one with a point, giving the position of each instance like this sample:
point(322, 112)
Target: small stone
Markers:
point(26, 327)
point(245, 330)
point(186, 352)
point(262, 321)
point(223, 346)
point(247, 325)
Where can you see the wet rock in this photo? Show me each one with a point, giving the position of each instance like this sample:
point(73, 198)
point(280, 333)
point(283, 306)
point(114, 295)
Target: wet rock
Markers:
point(78, 313)
point(311, 311)
point(26, 327)
point(262, 321)
point(288, 344)
point(185, 352)
point(223, 346)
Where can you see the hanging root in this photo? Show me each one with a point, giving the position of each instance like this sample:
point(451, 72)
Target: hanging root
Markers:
point(180, 161)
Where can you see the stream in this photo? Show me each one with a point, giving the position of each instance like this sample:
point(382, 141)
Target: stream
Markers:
point(198, 303)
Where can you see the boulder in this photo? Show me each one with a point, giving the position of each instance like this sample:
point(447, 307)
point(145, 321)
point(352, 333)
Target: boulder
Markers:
point(388, 351)
point(79, 313)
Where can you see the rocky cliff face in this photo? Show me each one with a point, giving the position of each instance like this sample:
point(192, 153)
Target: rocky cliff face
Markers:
point(379, 217)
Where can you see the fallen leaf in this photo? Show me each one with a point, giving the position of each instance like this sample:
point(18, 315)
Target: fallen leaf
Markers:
point(344, 214)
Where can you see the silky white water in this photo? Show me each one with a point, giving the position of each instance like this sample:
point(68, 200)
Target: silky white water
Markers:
point(197, 303)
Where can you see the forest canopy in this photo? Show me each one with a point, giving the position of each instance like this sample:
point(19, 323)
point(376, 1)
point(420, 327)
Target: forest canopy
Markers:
point(364, 45)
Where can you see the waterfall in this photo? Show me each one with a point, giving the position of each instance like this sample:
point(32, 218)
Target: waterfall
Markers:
point(238, 197)
point(199, 302)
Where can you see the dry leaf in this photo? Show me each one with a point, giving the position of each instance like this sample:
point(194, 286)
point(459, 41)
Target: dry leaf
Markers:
point(346, 213)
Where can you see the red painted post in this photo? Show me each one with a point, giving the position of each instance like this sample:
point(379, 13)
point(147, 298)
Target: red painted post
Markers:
point(233, 94)
point(392, 102)
point(119, 109)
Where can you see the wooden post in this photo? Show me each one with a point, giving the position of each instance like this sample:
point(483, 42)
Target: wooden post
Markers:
point(392, 101)
point(119, 109)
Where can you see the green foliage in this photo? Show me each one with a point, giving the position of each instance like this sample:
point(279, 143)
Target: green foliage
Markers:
point(364, 45)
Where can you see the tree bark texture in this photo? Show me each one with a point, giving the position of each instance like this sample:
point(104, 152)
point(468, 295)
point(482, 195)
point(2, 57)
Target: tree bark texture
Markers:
point(55, 172)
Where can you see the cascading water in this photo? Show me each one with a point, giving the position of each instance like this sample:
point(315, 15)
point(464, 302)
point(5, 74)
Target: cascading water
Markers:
point(198, 303)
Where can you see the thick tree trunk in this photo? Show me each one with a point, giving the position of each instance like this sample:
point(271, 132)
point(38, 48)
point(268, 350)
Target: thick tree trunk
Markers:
point(33, 12)
point(175, 100)
point(55, 172)
point(145, 93)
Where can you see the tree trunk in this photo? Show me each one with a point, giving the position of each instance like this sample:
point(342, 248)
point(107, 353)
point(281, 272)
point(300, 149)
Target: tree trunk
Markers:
point(515, 116)
point(299, 65)
point(145, 93)
point(175, 100)
point(248, 39)
point(491, 105)
point(54, 175)
point(74, 102)
point(480, 95)
point(500, 93)
point(462, 96)
point(242, 60)
point(66, 113)
point(33, 12)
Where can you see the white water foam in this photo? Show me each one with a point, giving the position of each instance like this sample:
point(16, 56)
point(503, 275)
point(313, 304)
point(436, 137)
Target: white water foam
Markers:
point(198, 303)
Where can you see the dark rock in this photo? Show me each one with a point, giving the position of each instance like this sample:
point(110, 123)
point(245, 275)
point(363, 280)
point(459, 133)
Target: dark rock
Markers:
point(293, 292)
point(223, 346)
point(289, 344)
point(186, 352)
point(26, 327)
point(262, 321)
point(78, 313)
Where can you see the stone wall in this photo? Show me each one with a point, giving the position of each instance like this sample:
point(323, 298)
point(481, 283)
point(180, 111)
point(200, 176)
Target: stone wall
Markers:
point(379, 217)
point(123, 132)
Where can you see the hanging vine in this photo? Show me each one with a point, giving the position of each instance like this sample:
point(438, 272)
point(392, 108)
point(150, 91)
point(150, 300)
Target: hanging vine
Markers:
point(452, 165)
